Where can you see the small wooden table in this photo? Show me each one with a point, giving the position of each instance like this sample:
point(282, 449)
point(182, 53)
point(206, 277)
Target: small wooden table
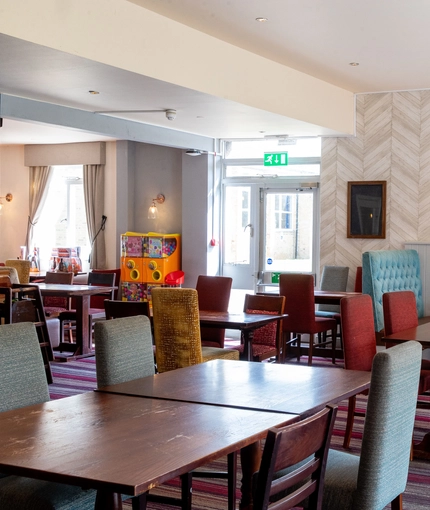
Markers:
point(120, 444)
point(420, 334)
point(329, 297)
point(82, 294)
point(247, 323)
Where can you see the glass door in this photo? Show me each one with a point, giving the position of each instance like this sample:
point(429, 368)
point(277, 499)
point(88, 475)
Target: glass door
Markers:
point(288, 237)
point(240, 235)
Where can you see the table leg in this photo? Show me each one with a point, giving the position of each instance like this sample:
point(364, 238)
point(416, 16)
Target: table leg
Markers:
point(247, 336)
point(83, 340)
point(250, 457)
point(108, 501)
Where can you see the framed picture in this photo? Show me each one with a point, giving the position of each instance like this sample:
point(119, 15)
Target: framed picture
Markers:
point(366, 209)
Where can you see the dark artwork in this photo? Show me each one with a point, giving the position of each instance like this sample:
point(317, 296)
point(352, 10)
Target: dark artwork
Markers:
point(366, 209)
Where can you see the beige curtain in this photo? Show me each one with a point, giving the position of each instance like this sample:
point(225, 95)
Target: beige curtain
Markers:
point(94, 208)
point(39, 179)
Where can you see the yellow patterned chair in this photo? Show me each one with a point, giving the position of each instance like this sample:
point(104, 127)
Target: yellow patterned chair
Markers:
point(177, 330)
point(22, 267)
point(178, 345)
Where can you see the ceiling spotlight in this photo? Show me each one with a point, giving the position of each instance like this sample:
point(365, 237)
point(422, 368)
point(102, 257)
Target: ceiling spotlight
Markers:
point(94, 92)
point(354, 64)
point(193, 152)
point(261, 20)
point(171, 114)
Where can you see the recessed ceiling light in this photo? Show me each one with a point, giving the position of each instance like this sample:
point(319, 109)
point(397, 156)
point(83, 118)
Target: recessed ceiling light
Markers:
point(354, 64)
point(95, 92)
point(261, 20)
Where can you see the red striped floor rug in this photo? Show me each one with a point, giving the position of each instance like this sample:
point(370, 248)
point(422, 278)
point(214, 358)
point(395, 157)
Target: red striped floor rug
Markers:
point(76, 377)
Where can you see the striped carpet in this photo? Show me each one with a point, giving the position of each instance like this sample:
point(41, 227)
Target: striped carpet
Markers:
point(76, 377)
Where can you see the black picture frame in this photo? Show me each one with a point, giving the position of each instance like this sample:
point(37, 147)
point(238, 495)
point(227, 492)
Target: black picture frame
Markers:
point(366, 209)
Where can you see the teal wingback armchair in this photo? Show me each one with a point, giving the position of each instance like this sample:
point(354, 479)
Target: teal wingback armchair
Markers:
point(391, 270)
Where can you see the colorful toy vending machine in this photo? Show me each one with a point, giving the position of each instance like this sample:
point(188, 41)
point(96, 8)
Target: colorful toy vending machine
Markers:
point(146, 260)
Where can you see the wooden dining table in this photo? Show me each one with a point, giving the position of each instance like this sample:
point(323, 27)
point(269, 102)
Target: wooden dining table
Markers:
point(118, 444)
point(246, 323)
point(82, 295)
point(267, 387)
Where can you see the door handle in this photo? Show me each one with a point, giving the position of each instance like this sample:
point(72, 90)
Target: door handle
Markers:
point(251, 229)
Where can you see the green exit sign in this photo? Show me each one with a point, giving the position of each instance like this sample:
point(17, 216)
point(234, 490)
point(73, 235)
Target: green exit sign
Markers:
point(275, 158)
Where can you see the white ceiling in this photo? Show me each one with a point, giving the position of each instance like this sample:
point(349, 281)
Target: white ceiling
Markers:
point(388, 38)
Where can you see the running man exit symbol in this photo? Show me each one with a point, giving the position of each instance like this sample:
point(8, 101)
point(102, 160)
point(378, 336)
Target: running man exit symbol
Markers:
point(275, 158)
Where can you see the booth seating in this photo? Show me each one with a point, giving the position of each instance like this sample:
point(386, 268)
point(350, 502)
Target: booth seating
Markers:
point(387, 271)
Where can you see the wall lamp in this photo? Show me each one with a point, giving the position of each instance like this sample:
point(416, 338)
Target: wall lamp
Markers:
point(152, 211)
point(8, 198)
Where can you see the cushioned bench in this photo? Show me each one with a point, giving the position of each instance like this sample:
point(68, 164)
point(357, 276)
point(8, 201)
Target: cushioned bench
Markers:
point(391, 270)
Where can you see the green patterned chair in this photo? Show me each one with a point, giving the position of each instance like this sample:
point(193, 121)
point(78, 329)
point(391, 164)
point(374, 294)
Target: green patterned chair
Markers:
point(378, 477)
point(23, 383)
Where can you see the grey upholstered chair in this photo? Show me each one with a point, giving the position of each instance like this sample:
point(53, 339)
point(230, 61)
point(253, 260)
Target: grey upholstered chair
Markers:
point(123, 353)
point(23, 383)
point(333, 278)
point(123, 350)
point(378, 477)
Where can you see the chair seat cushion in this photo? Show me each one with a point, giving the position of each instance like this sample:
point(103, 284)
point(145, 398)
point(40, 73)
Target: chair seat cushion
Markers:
point(20, 493)
point(210, 353)
point(258, 350)
point(53, 311)
point(340, 480)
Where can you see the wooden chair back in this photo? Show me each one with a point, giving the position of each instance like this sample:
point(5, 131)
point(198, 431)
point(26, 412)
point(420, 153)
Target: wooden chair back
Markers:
point(115, 309)
point(54, 304)
point(103, 279)
point(282, 464)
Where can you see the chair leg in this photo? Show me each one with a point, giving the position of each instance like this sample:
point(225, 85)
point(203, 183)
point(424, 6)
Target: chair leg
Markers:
point(310, 350)
point(397, 503)
point(333, 345)
point(349, 421)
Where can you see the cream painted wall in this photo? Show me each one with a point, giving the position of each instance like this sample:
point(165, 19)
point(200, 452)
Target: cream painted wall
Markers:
point(393, 145)
point(167, 50)
point(14, 215)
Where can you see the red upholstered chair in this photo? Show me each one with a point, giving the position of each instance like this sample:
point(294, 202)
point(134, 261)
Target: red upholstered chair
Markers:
point(359, 345)
point(214, 295)
point(53, 305)
point(298, 290)
point(266, 341)
point(400, 312)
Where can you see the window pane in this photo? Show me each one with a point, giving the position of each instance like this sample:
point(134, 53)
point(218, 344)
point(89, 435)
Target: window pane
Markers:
point(288, 235)
point(281, 171)
point(63, 220)
point(237, 240)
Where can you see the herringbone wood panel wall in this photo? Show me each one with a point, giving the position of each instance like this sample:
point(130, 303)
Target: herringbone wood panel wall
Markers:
point(392, 144)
